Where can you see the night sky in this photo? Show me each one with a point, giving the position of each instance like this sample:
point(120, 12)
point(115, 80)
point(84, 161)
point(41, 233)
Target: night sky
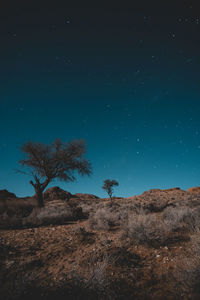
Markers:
point(126, 79)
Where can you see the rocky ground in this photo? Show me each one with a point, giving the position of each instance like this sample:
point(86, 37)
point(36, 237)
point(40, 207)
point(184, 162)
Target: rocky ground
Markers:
point(143, 247)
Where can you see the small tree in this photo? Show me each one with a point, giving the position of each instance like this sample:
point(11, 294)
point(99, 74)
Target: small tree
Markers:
point(58, 160)
point(108, 186)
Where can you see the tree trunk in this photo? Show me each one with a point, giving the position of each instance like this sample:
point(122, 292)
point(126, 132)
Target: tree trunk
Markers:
point(39, 188)
point(39, 197)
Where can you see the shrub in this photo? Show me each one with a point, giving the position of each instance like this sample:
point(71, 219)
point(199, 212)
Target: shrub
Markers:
point(146, 229)
point(49, 215)
point(95, 283)
point(103, 219)
point(186, 271)
point(181, 217)
point(98, 280)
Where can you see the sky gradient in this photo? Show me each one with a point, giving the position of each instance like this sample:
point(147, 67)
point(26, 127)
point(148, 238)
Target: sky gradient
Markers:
point(124, 79)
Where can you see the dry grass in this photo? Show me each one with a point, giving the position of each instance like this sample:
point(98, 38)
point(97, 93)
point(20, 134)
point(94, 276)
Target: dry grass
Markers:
point(103, 219)
point(98, 279)
point(158, 256)
point(182, 218)
point(56, 214)
point(146, 229)
point(156, 229)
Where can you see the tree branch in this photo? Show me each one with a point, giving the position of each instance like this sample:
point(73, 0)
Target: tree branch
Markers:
point(25, 173)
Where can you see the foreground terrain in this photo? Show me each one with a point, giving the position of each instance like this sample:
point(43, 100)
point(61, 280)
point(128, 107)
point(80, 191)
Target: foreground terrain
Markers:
point(82, 247)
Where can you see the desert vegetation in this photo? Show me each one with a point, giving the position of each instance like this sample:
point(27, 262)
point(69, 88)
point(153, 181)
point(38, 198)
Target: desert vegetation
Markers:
point(108, 186)
point(141, 247)
point(79, 246)
point(58, 160)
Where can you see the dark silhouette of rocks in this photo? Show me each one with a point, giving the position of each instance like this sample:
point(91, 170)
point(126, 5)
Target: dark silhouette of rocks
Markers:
point(4, 194)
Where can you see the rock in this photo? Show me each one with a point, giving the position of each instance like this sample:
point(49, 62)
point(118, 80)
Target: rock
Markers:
point(172, 189)
point(56, 193)
point(4, 194)
point(85, 196)
point(194, 190)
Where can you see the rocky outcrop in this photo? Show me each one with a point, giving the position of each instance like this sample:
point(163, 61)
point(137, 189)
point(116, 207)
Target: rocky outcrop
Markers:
point(56, 193)
point(156, 200)
point(4, 194)
point(85, 196)
point(194, 190)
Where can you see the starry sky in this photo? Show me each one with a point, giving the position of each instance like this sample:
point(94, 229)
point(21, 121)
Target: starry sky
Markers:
point(126, 79)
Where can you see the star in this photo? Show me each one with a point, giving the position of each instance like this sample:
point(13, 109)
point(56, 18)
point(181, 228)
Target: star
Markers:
point(136, 73)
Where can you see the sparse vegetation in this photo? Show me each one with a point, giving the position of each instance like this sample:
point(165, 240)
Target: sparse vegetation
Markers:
point(119, 250)
point(103, 219)
point(146, 229)
point(182, 218)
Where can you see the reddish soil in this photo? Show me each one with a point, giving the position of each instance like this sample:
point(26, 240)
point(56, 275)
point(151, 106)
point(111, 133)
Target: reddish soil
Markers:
point(72, 261)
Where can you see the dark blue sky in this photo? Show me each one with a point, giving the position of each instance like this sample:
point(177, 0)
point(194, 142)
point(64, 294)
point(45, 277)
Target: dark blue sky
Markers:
point(125, 79)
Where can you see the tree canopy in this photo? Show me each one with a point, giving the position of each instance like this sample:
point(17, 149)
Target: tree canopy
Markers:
point(108, 186)
point(57, 160)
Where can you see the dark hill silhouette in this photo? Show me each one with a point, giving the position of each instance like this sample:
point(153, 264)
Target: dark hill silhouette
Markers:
point(4, 194)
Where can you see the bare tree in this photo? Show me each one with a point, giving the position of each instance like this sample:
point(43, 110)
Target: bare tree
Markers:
point(58, 160)
point(108, 186)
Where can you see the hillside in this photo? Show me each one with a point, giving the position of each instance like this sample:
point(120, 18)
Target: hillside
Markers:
point(83, 247)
